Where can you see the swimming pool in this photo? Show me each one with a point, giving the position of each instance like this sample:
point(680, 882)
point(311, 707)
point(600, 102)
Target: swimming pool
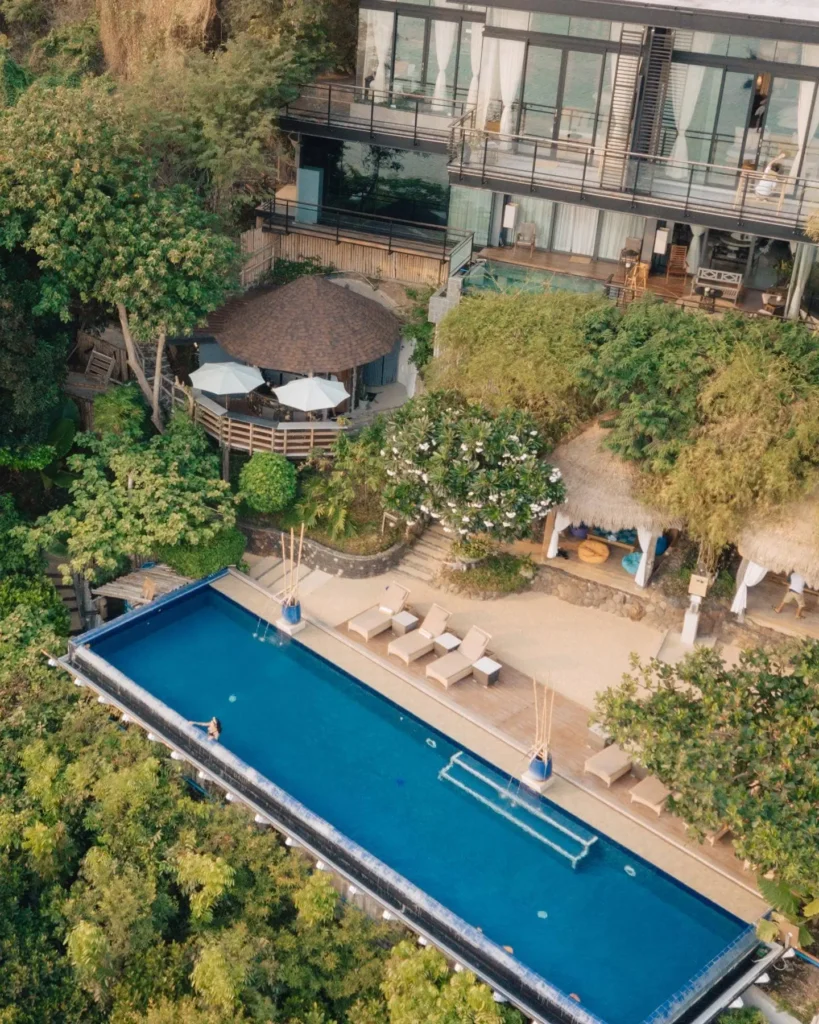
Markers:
point(617, 932)
point(495, 276)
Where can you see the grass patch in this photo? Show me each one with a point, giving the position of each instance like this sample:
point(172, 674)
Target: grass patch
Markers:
point(498, 574)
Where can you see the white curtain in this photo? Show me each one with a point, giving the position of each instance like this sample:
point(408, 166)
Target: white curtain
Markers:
point(807, 120)
point(648, 541)
point(614, 231)
point(532, 210)
point(575, 229)
point(562, 522)
point(381, 26)
point(685, 84)
point(488, 89)
point(510, 66)
point(694, 257)
point(475, 46)
point(753, 574)
point(446, 32)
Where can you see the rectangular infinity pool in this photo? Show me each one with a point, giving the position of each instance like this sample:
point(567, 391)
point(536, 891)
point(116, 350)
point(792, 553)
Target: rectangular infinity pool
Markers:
point(619, 934)
point(496, 276)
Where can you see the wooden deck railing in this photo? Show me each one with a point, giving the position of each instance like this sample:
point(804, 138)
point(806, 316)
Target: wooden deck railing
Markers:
point(253, 434)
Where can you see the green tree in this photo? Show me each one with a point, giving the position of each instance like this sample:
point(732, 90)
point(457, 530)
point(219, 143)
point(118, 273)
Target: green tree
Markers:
point(736, 746)
point(267, 482)
point(121, 411)
point(475, 472)
point(130, 498)
point(522, 351)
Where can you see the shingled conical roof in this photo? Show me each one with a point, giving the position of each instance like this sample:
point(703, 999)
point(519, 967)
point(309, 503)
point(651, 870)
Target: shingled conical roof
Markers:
point(308, 326)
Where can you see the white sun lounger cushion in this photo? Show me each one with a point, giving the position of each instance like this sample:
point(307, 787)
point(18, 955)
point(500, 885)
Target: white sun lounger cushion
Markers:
point(419, 642)
point(609, 764)
point(375, 620)
point(458, 664)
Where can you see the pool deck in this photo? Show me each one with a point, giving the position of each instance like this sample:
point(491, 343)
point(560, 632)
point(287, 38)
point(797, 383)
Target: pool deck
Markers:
point(497, 723)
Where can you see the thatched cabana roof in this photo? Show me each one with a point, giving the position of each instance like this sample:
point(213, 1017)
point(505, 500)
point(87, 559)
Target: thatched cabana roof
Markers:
point(601, 488)
point(787, 540)
point(308, 326)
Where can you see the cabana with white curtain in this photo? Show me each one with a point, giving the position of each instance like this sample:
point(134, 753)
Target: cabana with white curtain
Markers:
point(601, 491)
point(784, 542)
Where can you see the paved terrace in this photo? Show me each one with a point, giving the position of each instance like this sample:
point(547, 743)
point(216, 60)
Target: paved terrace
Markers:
point(577, 651)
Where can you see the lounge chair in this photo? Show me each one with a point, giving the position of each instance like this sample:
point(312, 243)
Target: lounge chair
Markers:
point(650, 793)
point(376, 619)
point(419, 642)
point(609, 764)
point(458, 664)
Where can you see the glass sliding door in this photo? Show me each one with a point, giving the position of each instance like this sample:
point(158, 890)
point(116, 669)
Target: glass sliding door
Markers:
point(538, 212)
point(575, 230)
point(731, 145)
point(470, 209)
point(540, 91)
point(581, 91)
point(409, 67)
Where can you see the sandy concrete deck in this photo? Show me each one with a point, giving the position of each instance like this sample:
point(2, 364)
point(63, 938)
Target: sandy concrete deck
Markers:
point(466, 714)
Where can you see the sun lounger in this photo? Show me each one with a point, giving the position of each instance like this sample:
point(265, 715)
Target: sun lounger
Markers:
point(458, 664)
point(650, 793)
point(419, 642)
point(375, 620)
point(609, 764)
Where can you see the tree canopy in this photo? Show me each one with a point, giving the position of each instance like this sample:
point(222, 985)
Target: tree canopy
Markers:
point(737, 748)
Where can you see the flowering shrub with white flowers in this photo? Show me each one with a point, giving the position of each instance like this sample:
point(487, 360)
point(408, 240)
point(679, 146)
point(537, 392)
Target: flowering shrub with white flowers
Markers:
point(470, 470)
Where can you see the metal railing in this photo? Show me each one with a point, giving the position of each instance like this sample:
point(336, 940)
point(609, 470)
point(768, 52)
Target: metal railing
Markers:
point(434, 240)
point(685, 188)
point(405, 115)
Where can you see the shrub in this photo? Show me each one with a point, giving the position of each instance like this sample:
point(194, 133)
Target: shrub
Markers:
point(498, 574)
point(13, 557)
point(226, 548)
point(268, 482)
point(747, 1015)
point(37, 594)
point(121, 411)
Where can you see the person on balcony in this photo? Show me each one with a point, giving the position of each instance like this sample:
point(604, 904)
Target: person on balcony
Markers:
point(766, 186)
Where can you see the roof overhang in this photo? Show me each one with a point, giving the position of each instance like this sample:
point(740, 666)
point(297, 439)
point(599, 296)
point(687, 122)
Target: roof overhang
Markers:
point(793, 20)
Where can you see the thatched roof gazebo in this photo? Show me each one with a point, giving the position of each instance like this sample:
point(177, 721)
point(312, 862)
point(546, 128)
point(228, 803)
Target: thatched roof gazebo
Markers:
point(601, 490)
point(308, 326)
point(783, 542)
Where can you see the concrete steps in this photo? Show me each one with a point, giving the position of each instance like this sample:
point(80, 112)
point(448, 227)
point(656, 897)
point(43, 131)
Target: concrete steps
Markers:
point(260, 565)
point(425, 558)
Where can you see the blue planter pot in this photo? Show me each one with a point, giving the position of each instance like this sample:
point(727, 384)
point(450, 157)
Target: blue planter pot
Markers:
point(291, 613)
point(539, 769)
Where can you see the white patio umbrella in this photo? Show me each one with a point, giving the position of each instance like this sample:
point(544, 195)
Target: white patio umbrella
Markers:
point(227, 378)
point(312, 393)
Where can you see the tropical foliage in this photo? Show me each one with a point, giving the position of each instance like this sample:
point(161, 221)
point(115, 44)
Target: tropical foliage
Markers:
point(196, 560)
point(131, 497)
point(736, 745)
point(126, 894)
point(267, 482)
point(475, 472)
point(522, 351)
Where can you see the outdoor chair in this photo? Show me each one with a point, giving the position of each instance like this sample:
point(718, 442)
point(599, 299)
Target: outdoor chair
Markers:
point(527, 236)
point(420, 641)
point(630, 253)
point(458, 664)
point(609, 764)
point(677, 265)
point(99, 367)
point(378, 618)
point(650, 793)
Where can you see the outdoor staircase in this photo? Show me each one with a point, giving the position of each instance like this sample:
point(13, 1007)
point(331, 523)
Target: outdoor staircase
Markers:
point(623, 97)
point(269, 571)
point(67, 593)
point(655, 87)
point(519, 807)
point(423, 561)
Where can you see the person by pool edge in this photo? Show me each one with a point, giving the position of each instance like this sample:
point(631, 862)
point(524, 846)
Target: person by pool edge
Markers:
point(214, 727)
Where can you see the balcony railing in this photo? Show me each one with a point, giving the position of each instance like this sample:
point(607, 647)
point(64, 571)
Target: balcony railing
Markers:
point(411, 117)
point(685, 189)
point(434, 241)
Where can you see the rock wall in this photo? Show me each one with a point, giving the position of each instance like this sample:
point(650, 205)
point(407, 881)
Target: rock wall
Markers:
point(265, 540)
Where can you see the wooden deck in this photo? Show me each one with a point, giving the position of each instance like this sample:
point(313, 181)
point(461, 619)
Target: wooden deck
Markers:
point(672, 290)
point(509, 707)
point(254, 434)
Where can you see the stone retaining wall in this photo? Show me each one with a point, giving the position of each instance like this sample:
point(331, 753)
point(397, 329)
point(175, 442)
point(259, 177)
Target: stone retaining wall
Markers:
point(266, 540)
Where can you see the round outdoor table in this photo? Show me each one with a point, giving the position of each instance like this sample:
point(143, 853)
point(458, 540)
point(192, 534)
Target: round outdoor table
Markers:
point(708, 296)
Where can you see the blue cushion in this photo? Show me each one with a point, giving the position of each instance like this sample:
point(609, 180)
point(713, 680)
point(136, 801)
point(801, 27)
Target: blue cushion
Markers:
point(631, 561)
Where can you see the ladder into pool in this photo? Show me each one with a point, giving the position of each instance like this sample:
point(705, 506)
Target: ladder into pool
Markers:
point(523, 809)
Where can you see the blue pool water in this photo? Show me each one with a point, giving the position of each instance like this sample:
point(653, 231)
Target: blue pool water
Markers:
point(614, 930)
point(494, 276)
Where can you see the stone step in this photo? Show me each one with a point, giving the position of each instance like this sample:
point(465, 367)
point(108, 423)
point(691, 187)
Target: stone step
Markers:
point(434, 554)
point(426, 570)
point(415, 573)
point(274, 579)
point(262, 565)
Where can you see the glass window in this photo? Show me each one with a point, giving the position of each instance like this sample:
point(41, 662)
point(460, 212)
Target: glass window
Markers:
point(780, 133)
point(470, 209)
point(540, 91)
point(443, 55)
point(575, 229)
point(375, 52)
point(532, 210)
point(690, 111)
point(590, 28)
point(581, 89)
point(554, 24)
point(409, 68)
point(737, 93)
point(606, 93)
point(614, 230)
